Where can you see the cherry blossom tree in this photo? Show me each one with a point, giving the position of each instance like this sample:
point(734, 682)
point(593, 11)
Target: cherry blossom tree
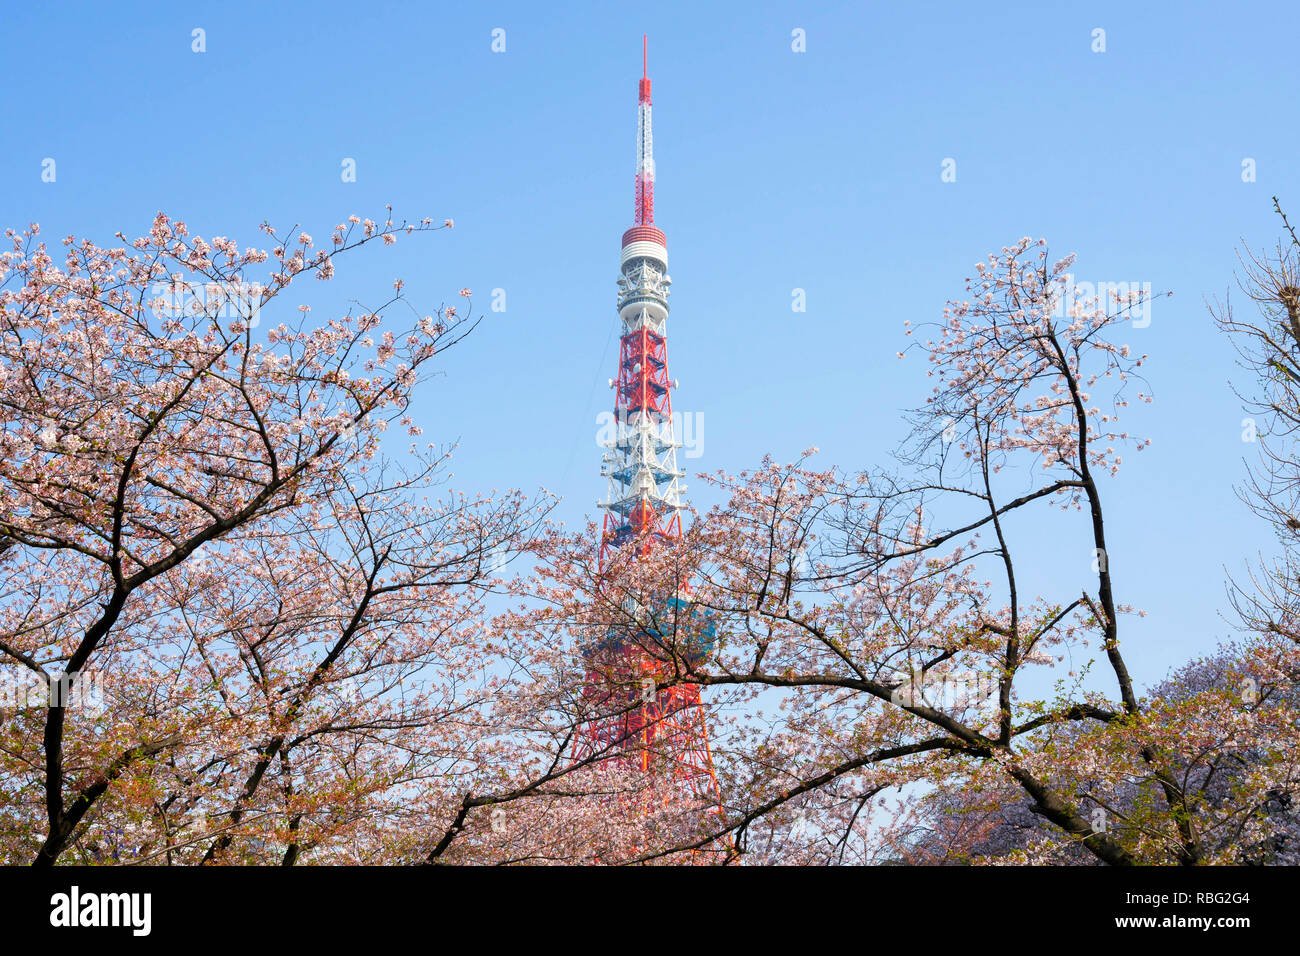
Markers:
point(1239, 772)
point(241, 632)
point(876, 636)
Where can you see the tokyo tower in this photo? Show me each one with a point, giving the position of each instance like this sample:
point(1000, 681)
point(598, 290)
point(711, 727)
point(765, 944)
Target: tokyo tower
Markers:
point(631, 715)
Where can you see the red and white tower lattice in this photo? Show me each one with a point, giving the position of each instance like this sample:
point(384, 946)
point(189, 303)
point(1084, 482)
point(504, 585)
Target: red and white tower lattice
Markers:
point(656, 728)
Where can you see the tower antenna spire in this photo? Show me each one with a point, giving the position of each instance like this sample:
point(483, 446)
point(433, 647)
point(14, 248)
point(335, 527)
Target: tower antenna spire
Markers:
point(645, 160)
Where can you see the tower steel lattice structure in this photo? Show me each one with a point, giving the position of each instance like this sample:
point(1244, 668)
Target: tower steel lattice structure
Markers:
point(655, 728)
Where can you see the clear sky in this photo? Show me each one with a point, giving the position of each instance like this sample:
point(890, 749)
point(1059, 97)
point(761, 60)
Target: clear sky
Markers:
point(817, 170)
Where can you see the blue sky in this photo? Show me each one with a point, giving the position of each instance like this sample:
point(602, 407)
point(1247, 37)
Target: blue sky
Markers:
point(776, 170)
